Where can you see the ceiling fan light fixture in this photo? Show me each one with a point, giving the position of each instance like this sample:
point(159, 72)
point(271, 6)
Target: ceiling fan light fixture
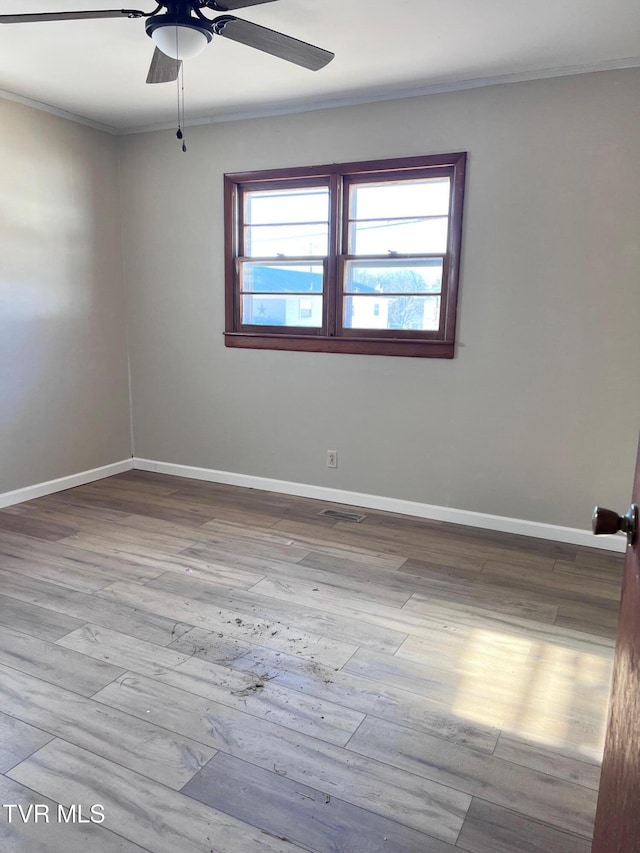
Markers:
point(179, 39)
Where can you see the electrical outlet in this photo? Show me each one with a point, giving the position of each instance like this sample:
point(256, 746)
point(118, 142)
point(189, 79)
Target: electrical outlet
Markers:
point(332, 458)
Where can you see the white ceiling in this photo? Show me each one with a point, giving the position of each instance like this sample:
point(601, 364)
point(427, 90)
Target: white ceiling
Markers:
point(97, 69)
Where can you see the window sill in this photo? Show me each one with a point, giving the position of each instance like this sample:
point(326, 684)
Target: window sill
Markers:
point(356, 346)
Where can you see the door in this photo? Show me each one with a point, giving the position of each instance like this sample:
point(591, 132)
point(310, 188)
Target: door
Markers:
point(617, 827)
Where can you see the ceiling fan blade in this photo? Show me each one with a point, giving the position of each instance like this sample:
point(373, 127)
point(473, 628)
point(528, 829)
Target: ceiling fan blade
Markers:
point(70, 16)
point(270, 41)
point(230, 5)
point(163, 68)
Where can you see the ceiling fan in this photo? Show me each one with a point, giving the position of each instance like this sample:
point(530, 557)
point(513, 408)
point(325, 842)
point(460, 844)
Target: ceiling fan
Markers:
point(180, 31)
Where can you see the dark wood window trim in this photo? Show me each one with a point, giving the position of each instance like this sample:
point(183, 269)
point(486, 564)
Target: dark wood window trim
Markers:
point(331, 336)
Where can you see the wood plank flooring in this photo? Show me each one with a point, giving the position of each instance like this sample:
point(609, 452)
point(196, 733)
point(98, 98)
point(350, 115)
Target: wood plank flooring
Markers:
point(226, 671)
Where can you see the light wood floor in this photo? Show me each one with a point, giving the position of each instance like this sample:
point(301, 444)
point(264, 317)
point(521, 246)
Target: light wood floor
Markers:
point(225, 670)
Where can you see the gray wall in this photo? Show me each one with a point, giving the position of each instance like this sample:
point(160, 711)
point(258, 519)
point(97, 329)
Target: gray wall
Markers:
point(536, 418)
point(64, 404)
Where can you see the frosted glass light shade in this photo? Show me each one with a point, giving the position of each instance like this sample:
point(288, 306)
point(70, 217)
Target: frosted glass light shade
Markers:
point(189, 41)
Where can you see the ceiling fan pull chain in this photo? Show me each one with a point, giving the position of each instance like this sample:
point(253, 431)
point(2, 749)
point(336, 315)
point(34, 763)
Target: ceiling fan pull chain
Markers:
point(184, 144)
point(180, 92)
point(179, 133)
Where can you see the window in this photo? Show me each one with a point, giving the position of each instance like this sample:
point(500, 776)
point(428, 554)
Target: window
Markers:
point(355, 258)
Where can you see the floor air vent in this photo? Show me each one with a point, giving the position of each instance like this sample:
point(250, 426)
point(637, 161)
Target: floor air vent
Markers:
point(339, 515)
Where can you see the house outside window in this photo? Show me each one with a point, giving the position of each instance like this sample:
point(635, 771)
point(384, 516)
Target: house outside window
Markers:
point(355, 258)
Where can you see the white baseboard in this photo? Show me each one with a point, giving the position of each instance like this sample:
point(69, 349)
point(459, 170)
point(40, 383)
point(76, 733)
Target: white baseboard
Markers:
point(521, 527)
point(555, 533)
point(29, 493)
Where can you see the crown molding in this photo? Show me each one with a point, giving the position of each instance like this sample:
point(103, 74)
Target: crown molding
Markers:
point(335, 103)
point(48, 108)
point(394, 95)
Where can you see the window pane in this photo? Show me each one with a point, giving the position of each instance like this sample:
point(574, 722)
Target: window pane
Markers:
point(310, 204)
point(428, 197)
point(281, 278)
point(394, 276)
point(282, 310)
point(403, 236)
point(294, 240)
point(421, 313)
point(384, 279)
